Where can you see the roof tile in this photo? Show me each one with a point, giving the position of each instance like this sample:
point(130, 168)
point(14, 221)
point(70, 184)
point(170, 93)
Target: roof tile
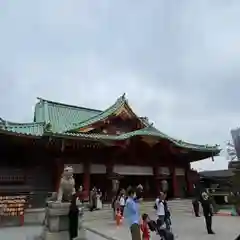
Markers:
point(62, 116)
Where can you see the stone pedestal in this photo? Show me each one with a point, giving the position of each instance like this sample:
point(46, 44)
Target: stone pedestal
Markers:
point(56, 222)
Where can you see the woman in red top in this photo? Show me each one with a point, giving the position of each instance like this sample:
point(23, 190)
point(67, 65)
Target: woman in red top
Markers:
point(144, 228)
point(80, 194)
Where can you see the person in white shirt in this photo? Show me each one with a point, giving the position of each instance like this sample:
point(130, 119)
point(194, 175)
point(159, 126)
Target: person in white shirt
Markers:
point(160, 209)
point(122, 203)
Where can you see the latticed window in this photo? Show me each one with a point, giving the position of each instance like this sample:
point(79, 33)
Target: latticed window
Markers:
point(11, 178)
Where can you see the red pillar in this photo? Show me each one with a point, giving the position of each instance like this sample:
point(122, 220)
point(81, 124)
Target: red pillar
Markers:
point(86, 180)
point(175, 183)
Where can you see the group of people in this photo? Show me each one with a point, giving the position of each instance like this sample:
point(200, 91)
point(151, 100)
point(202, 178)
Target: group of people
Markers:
point(128, 204)
point(141, 225)
point(95, 199)
point(118, 203)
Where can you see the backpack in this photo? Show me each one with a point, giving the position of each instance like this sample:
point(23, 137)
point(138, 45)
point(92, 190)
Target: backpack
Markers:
point(156, 205)
point(167, 212)
point(165, 234)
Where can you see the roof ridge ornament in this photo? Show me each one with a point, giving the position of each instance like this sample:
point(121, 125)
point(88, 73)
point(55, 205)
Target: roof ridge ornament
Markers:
point(48, 127)
point(122, 98)
point(41, 100)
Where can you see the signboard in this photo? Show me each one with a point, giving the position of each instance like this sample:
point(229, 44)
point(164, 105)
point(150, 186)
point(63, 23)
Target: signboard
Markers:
point(12, 205)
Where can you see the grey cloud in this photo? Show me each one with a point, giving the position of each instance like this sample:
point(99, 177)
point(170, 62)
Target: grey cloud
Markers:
point(177, 61)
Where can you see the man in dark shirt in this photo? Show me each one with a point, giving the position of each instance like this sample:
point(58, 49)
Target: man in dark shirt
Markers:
point(195, 202)
point(207, 210)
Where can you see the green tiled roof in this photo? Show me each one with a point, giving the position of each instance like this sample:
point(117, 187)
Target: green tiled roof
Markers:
point(34, 129)
point(62, 117)
point(58, 119)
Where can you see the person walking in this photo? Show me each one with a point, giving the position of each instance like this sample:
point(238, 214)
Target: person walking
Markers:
point(195, 201)
point(132, 215)
point(167, 217)
point(160, 209)
point(195, 204)
point(207, 210)
point(122, 203)
point(99, 204)
point(73, 219)
point(93, 199)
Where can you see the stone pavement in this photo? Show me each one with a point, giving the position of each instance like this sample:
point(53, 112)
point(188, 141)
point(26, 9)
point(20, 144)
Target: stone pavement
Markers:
point(185, 227)
point(36, 216)
point(27, 233)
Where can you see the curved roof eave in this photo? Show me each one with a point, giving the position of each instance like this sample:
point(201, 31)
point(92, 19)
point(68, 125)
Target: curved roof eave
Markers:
point(148, 131)
point(32, 128)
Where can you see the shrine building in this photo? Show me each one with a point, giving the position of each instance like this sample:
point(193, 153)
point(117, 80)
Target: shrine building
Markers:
point(100, 146)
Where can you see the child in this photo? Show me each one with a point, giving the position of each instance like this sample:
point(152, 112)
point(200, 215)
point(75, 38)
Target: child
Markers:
point(145, 228)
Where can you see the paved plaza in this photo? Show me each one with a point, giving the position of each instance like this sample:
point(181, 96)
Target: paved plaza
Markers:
point(27, 233)
point(185, 227)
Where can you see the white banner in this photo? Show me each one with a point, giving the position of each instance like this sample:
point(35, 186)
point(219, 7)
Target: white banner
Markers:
point(133, 170)
point(98, 169)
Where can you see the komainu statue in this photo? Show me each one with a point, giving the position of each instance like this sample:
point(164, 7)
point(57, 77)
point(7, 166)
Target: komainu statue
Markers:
point(67, 186)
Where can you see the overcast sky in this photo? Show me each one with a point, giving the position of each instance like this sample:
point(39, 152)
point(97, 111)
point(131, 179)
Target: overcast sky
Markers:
point(177, 60)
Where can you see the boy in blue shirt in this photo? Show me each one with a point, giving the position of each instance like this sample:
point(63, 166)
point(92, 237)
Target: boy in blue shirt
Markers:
point(132, 215)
